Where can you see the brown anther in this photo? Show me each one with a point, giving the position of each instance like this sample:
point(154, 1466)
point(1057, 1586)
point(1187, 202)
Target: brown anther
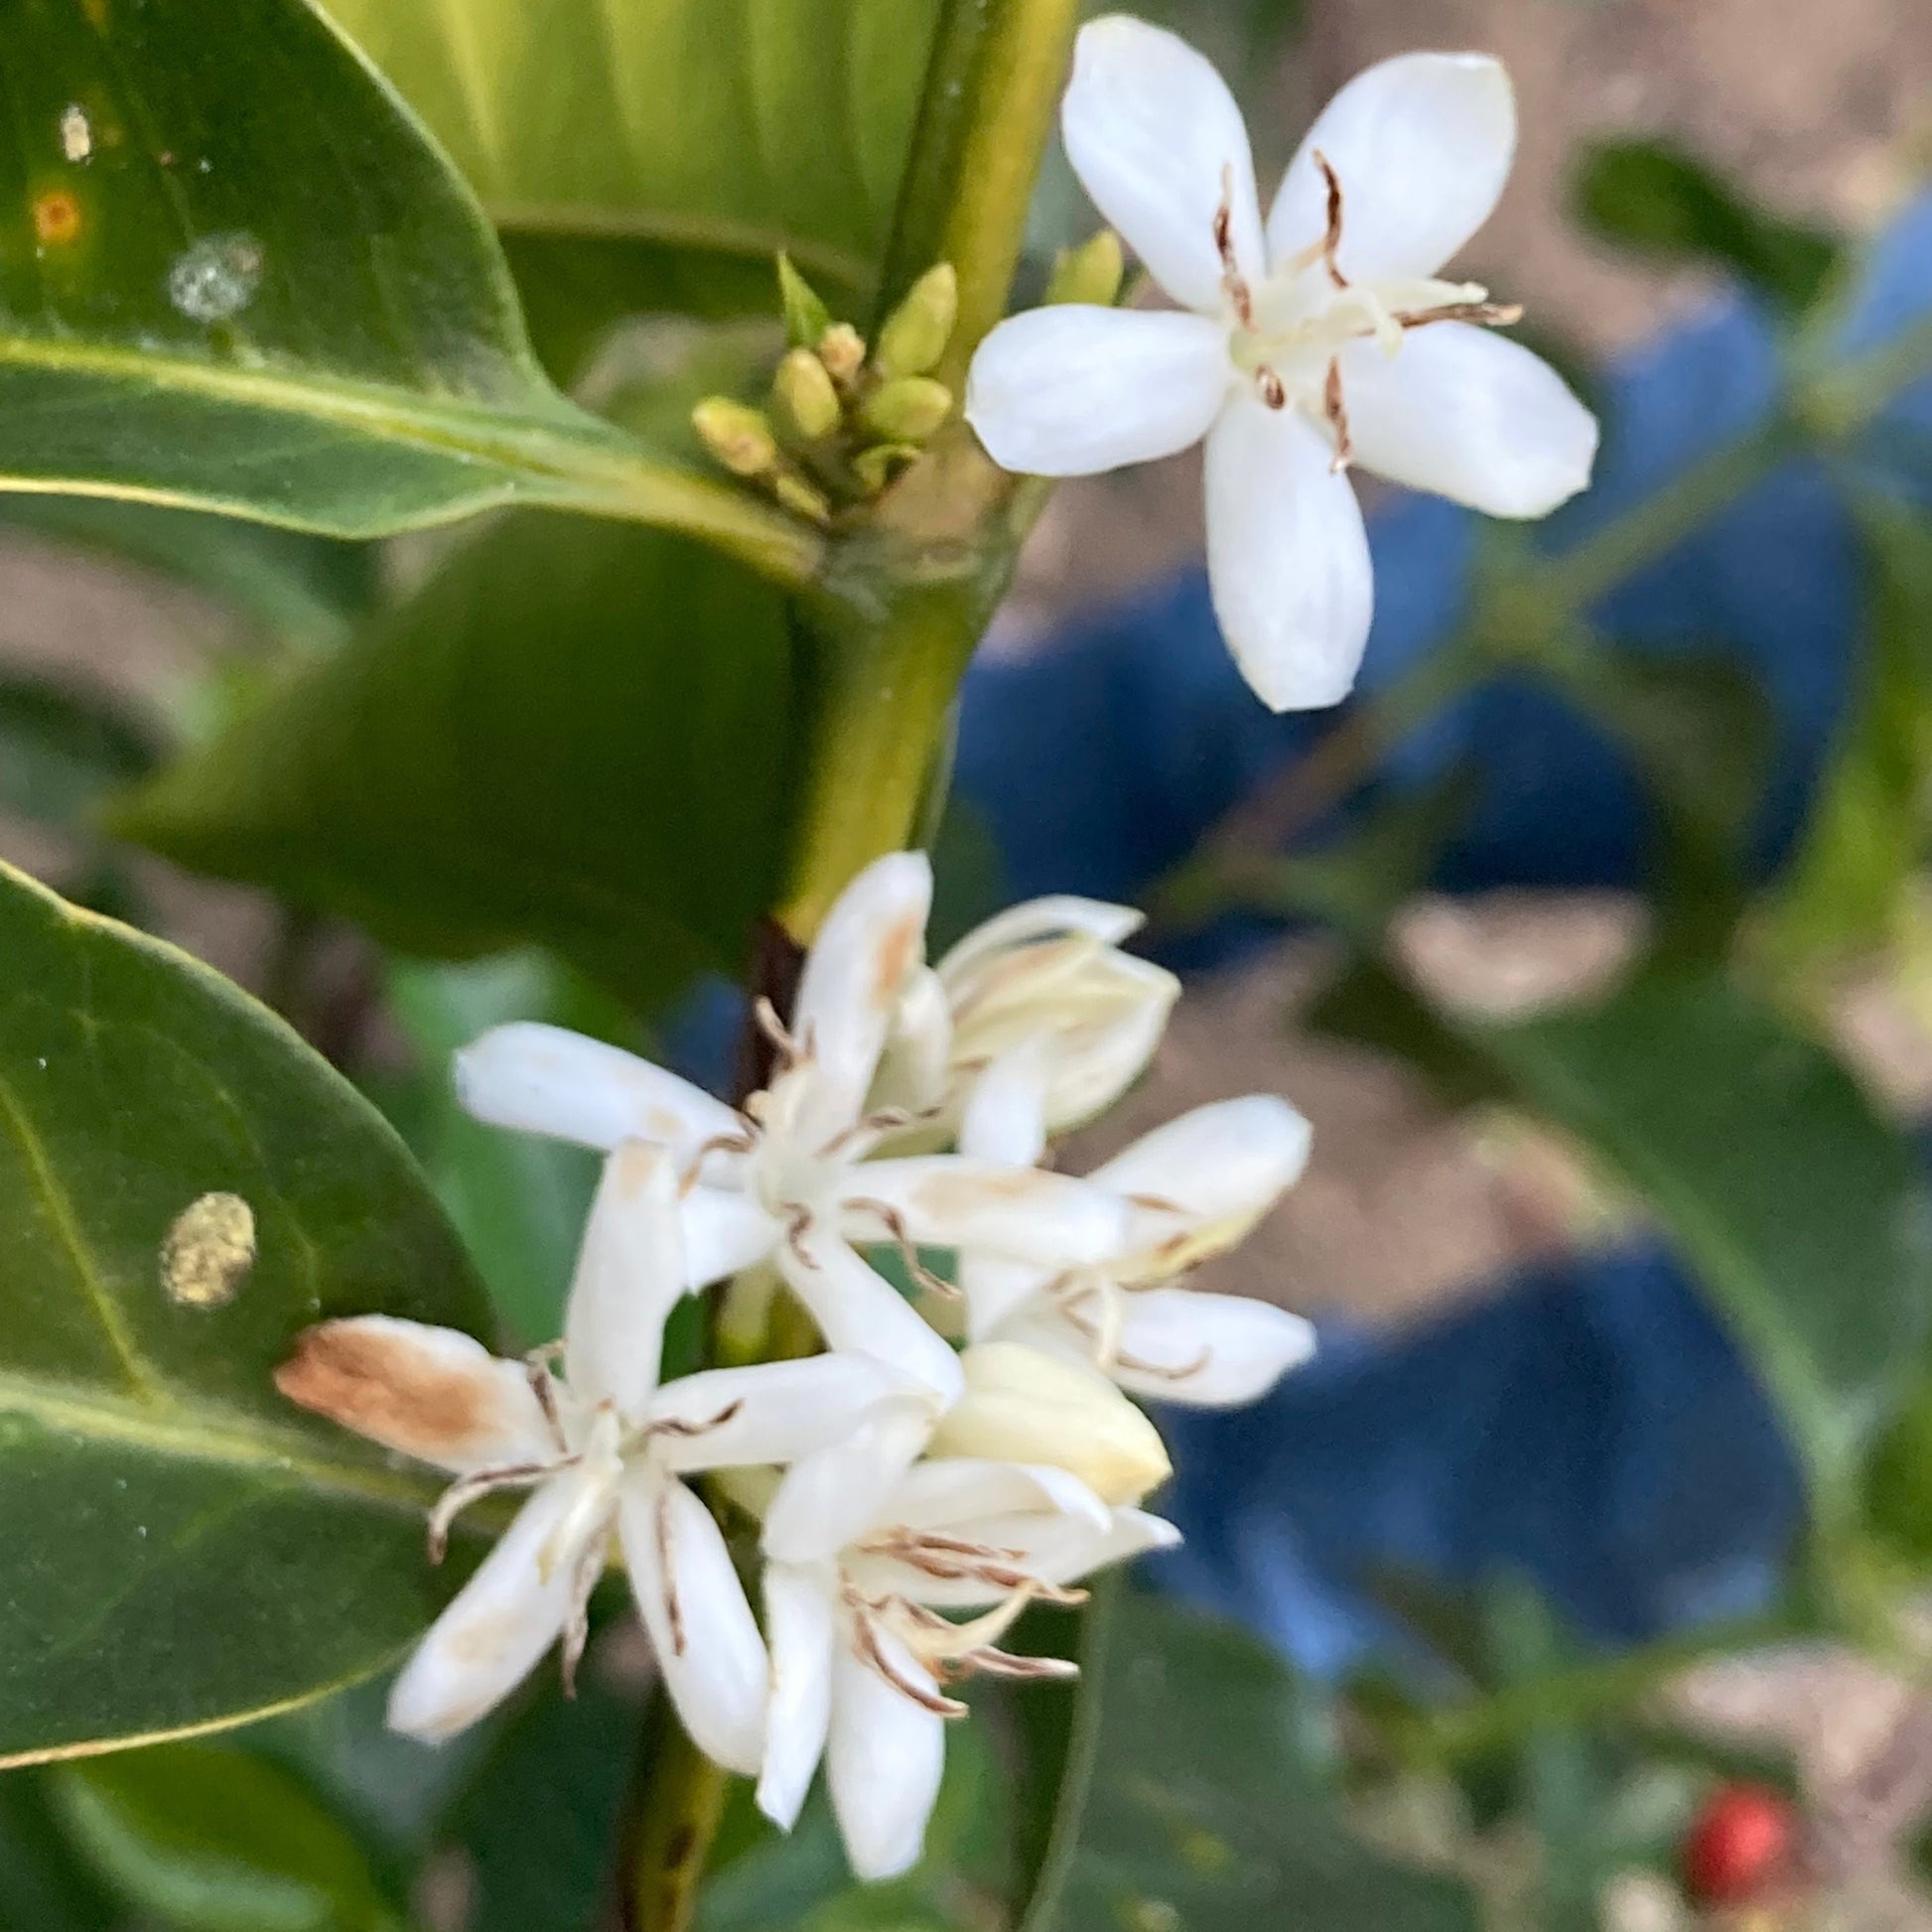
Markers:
point(990, 1662)
point(673, 1610)
point(745, 1143)
point(1487, 315)
point(865, 1642)
point(909, 1252)
point(1336, 411)
point(1233, 282)
point(766, 1015)
point(543, 1385)
point(576, 1626)
point(1331, 235)
point(1273, 391)
point(798, 1220)
point(466, 1490)
point(684, 1431)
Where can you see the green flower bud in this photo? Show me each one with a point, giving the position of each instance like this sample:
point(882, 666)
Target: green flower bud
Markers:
point(736, 435)
point(806, 317)
point(1089, 273)
point(806, 401)
point(800, 498)
point(843, 351)
point(916, 332)
point(907, 409)
point(876, 466)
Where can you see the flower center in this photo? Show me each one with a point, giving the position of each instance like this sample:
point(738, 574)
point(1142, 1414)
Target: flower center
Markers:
point(1288, 335)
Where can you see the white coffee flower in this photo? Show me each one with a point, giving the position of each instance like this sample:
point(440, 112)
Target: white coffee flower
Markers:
point(1203, 1181)
point(789, 1178)
point(1051, 970)
point(861, 1654)
point(604, 1448)
point(1323, 340)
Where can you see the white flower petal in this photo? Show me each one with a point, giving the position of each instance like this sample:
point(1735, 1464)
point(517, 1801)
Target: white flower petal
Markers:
point(996, 1292)
point(1469, 414)
point(1287, 557)
point(912, 1071)
point(1160, 145)
point(701, 1627)
point(544, 1080)
point(1074, 390)
point(629, 1274)
point(435, 1394)
point(836, 1494)
point(883, 1761)
point(725, 1229)
point(770, 1412)
point(859, 1312)
point(504, 1619)
point(1034, 919)
point(1230, 1156)
point(1210, 1350)
point(871, 942)
point(946, 1490)
point(1005, 1119)
point(1421, 145)
point(946, 1200)
point(800, 1626)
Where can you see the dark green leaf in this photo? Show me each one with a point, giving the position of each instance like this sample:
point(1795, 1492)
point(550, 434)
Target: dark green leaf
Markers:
point(43, 1886)
point(62, 749)
point(185, 1549)
point(249, 283)
point(712, 133)
point(576, 735)
point(1858, 863)
point(1209, 1812)
point(1653, 195)
point(211, 1838)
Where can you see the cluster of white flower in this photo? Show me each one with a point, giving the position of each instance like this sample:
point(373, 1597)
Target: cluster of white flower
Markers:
point(908, 1497)
point(1321, 339)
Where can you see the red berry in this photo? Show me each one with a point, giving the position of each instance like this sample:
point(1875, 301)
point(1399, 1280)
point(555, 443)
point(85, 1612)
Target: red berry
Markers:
point(1740, 1845)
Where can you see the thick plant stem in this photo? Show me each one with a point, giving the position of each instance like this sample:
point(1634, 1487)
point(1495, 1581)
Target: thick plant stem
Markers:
point(682, 1800)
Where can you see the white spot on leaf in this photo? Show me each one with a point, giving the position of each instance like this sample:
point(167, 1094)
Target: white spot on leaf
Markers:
point(218, 277)
point(77, 133)
point(209, 1251)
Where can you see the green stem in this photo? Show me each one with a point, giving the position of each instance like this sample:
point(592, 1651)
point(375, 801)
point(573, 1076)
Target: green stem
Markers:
point(682, 1799)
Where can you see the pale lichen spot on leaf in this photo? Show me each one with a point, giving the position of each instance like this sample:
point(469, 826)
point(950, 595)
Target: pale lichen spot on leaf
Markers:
point(56, 217)
point(209, 1251)
point(77, 132)
point(218, 277)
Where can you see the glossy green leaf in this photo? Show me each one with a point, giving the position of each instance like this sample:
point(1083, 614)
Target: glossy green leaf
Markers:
point(183, 1549)
point(210, 1838)
point(1801, 1212)
point(1208, 1812)
point(1653, 195)
point(250, 283)
point(576, 735)
point(693, 138)
point(1857, 868)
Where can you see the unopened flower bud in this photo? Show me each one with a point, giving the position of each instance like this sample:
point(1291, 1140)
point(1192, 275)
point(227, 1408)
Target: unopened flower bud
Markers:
point(806, 401)
point(801, 498)
point(806, 317)
point(916, 332)
point(876, 466)
point(1022, 1406)
point(1089, 273)
point(736, 435)
point(906, 409)
point(843, 351)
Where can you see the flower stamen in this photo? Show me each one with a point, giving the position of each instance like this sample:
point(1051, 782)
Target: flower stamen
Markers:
point(1233, 283)
point(1331, 235)
point(466, 1490)
point(909, 1252)
point(1335, 411)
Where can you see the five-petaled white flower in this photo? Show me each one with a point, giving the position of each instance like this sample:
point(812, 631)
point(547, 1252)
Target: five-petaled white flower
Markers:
point(861, 1652)
point(1203, 1179)
point(604, 1448)
point(1051, 972)
point(788, 1177)
point(1323, 339)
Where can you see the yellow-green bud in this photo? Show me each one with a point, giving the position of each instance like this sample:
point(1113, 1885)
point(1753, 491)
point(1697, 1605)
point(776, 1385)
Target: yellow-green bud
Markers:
point(808, 403)
point(1089, 273)
point(736, 435)
point(806, 317)
point(800, 498)
point(907, 409)
point(843, 351)
point(916, 332)
point(876, 466)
